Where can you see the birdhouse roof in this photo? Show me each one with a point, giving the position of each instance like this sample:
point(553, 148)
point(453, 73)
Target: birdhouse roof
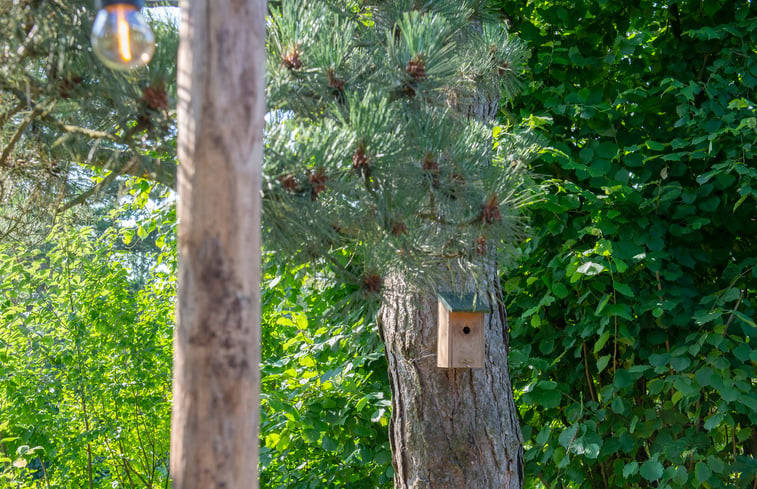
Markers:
point(456, 302)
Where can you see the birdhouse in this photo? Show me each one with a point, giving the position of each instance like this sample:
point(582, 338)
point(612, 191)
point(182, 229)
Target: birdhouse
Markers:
point(461, 331)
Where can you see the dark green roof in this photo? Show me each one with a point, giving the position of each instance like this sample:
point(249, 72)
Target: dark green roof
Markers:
point(463, 302)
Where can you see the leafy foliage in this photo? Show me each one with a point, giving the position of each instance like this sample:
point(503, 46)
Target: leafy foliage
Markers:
point(85, 360)
point(634, 309)
point(325, 399)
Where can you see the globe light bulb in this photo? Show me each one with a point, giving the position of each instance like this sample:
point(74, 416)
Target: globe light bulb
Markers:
point(121, 38)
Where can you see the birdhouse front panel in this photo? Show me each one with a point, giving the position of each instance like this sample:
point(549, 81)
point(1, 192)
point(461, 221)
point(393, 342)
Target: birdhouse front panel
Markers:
point(466, 331)
point(461, 336)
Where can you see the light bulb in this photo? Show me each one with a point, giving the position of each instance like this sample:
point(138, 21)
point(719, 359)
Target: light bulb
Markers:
point(121, 38)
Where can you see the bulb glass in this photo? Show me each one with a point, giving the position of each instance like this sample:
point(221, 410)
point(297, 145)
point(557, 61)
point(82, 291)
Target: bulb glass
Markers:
point(121, 38)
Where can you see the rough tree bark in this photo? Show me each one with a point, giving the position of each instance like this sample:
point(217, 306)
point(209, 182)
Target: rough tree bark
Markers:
point(214, 436)
point(450, 428)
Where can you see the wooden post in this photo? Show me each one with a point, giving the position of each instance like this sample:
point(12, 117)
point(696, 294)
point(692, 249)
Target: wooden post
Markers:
point(221, 65)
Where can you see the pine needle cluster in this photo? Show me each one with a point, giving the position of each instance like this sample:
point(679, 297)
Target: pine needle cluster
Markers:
point(380, 155)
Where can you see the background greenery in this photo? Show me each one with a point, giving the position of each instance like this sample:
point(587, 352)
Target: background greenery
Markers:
point(632, 310)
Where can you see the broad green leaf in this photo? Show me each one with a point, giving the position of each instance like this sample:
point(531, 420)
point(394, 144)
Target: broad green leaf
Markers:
point(624, 289)
point(329, 444)
point(702, 472)
point(590, 268)
point(630, 469)
point(567, 436)
point(651, 470)
point(601, 341)
point(602, 363)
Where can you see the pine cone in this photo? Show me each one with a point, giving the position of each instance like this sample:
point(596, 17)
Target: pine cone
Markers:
point(291, 59)
point(360, 160)
point(429, 163)
point(289, 182)
point(398, 228)
point(372, 283)
point(155, 97)
point(481, 245)
point(416, 68)
point(317, 181)
point(490, 211)
point(334, 82)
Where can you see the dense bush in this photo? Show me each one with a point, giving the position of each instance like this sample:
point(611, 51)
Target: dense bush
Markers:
point(325, 392)
point(85, 364)
point(633, 311)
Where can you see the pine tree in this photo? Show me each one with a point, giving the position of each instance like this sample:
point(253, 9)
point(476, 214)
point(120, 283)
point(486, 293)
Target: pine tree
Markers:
point(380, 164)
point(380, 168)
point(71, 129)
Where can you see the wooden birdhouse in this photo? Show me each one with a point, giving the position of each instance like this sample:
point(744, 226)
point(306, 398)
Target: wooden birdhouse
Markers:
point(461, 331)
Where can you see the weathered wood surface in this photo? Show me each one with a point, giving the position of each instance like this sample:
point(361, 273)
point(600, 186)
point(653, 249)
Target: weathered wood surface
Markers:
point(214, 436)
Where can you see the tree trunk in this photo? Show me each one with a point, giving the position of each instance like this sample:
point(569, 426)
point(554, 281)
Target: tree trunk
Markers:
point(214, 436)
point(450, 428)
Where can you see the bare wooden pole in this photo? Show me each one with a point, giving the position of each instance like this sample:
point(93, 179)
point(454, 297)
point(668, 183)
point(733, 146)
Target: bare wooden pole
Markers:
point(214, 432)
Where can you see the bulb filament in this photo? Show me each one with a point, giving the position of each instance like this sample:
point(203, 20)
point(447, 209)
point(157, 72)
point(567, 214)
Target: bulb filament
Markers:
point(124, 44)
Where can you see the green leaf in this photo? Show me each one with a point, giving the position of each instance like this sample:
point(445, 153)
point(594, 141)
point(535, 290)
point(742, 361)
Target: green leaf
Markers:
point(686, 387)
point(590, 268)
point(713, 421)
point(655, 146)
point(329, 444)
point(651, 470)
point(606, 150)
point(621, 310)
point(602, 363)
point(702, 472)
point(624, 289)
point(623, 379)
point(681, 476)
point(601, 341)
point(630, 469)
point(568, 435)
point(307, 361)
point(680, 363)
point(545, 398)
point(560, 290)
point(382, 457)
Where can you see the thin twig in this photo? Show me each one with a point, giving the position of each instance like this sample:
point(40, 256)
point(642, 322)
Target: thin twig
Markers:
point(17, 135)
point(733, 312)
point(588, 375)
point(10, 113)
point(96, 188)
